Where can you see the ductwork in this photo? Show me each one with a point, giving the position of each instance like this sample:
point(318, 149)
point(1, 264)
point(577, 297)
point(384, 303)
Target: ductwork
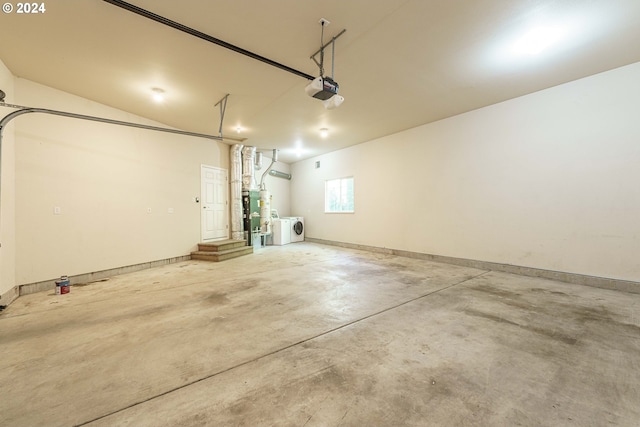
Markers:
point(273, 161)
point(237, 229)
point(248, 164)
point(244, 161)
point(258, 162)
point(279, 174)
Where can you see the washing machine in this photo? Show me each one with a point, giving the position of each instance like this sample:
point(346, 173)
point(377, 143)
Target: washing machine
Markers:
point(281, 231)
point(297, 229)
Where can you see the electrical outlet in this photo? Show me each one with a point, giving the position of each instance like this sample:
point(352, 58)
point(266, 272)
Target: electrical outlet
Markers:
point(148, 210)
point(170, 210)
point(57, 210)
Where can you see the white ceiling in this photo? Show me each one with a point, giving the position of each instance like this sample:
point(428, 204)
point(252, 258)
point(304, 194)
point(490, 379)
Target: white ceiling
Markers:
point(400, 64)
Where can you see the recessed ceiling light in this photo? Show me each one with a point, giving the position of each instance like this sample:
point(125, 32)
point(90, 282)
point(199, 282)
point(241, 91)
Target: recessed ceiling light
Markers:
point(158, 94)
point(324, 132)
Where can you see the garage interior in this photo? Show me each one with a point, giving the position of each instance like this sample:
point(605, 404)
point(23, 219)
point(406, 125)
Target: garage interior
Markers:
point(485, 271)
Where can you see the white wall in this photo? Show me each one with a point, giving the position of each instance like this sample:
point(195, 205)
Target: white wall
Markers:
point(548, 180)
point(7, 195)
point(103, 178)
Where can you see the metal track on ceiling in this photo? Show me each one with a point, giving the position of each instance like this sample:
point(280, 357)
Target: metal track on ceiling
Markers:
point(180, 27)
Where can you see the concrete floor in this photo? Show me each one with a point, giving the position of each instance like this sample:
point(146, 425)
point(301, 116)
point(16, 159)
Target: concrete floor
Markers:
point(312, 335)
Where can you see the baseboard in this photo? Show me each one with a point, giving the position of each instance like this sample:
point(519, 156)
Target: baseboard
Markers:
point(48, 285)
point(9, 296)
point(578, 279)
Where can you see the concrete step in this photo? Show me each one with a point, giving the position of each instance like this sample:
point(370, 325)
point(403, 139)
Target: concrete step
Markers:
point(218, 256)
point(221, 245)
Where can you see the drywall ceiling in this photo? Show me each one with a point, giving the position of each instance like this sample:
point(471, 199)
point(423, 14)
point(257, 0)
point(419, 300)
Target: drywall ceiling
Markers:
point(400, 64)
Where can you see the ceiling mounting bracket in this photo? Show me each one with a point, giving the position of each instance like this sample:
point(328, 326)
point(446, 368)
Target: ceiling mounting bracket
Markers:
point(223, 109)
point(320, 51)
point(324, 87)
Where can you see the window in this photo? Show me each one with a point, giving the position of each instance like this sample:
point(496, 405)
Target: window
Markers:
point(338, 195)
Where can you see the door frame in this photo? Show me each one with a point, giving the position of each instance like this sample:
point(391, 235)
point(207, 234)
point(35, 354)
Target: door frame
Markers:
point(226, 202)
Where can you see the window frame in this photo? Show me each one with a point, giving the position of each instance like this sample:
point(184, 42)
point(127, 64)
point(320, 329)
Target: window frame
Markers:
point(326, 194)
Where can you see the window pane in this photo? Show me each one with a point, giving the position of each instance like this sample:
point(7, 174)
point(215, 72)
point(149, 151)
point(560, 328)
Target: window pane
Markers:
point(348, 206)
point(339, 195)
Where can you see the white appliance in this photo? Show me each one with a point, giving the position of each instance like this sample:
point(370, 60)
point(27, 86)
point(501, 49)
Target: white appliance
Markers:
point(297, 229)
point(281, 231)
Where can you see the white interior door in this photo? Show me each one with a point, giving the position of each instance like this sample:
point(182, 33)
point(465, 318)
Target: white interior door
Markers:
point(214, 198)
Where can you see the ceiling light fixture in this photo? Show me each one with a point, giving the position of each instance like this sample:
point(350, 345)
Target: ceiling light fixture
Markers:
point(324, 132)
point(158, 94)
point(323, 87)
point(537, 40)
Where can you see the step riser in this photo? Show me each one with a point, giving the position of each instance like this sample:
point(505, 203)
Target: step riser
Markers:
point(212, 256)
point(211, 248)
point(222, 250)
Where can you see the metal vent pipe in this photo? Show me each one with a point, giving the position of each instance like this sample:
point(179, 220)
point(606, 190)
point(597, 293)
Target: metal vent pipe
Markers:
point(258, 161)
point(279, 174)
point(273, 160)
